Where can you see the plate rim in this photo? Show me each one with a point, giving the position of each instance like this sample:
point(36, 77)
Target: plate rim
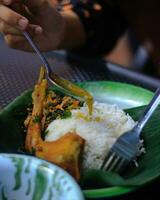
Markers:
point(115, 190)
point(119, 85)
point(111, 191)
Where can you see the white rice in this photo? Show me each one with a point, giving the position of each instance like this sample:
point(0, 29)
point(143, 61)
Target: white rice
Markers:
point(108, 122)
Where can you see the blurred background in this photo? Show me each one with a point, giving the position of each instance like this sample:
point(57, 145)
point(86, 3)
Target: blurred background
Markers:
point(138, 48)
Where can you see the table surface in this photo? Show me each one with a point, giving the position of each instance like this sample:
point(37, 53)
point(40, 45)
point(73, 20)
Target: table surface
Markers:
point(18, 72)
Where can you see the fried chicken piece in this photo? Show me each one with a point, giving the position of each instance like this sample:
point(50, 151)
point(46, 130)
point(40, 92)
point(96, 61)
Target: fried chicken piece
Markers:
point(33, 136)
point(66, 152)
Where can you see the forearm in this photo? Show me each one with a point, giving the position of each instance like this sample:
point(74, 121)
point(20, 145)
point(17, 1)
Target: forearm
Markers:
point(50, 28)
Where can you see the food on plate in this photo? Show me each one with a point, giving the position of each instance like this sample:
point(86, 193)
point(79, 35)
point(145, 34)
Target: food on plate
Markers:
point(65, 152)
point(61, 130)
point(75, 90)
point(100, 131)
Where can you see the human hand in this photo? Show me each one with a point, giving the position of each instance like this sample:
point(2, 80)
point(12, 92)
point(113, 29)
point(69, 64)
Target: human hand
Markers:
point(39, 18)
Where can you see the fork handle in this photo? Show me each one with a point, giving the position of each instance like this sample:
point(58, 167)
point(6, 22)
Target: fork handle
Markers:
point(148, 112)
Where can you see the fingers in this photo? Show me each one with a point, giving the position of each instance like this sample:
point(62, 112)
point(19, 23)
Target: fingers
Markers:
point(13, 41)
point(15, 38)
point(35, 29)
point(12, 18)
point(17, 42)
point(7, 29)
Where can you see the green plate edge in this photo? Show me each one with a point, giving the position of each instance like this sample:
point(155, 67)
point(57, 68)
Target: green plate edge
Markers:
point(108, 192)
point(140, 96)
point(109, 91)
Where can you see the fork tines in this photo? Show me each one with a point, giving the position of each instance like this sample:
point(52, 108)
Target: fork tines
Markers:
point(113, 162)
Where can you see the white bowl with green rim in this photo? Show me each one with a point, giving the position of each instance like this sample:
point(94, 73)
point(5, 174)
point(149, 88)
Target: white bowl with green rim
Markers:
point(28, 178)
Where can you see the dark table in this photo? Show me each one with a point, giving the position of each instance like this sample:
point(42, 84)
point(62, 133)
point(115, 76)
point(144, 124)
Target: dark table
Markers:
point(19, 71)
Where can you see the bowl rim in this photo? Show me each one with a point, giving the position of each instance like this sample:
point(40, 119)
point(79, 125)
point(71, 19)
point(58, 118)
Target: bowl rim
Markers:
point(51, 166)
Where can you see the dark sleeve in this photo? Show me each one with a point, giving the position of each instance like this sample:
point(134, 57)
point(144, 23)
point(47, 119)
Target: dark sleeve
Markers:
point(103, 24)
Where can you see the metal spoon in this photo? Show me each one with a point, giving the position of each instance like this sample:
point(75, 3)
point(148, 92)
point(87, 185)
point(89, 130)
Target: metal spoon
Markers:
point(62, 84)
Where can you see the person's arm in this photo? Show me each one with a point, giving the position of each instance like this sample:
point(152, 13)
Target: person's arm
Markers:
point(92, 27)
point(49, 28)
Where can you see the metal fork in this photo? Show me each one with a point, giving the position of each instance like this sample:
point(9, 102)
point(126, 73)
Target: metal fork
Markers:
point(129, 145)
point(64, 85)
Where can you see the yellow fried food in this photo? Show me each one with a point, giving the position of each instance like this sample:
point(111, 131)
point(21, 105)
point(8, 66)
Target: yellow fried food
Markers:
point(66, 151)
point(34, 127)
